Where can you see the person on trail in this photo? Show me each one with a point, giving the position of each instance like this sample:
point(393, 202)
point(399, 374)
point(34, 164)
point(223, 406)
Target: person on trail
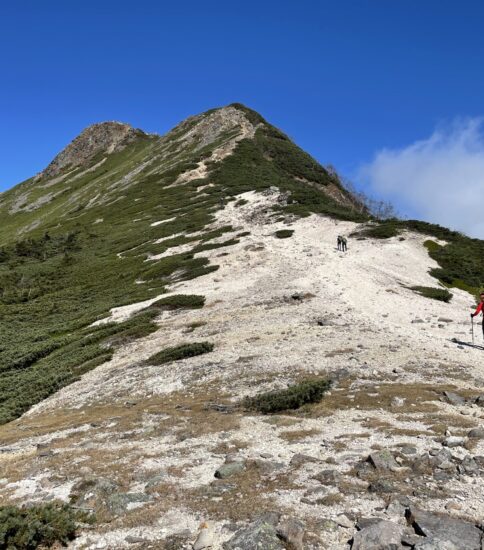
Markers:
point(344, 244)
point(480, 309)
point(340, 242)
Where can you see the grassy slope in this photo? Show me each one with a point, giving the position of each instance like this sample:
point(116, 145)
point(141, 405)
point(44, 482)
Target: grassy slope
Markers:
point(69, 269)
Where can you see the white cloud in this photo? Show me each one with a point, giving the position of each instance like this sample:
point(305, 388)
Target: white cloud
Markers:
point(439, 179)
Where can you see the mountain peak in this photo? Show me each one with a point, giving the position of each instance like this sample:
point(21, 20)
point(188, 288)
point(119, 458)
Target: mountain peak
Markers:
point(108, 137)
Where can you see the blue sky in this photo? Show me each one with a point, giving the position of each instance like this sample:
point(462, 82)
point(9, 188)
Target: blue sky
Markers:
point(349, 81)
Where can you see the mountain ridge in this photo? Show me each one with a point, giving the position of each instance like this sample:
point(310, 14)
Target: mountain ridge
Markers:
point(149, 294)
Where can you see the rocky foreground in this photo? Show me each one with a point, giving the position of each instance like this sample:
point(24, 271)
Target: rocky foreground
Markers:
point(392, 457)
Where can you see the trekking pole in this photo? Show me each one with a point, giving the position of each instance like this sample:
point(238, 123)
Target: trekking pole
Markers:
point(472, 329)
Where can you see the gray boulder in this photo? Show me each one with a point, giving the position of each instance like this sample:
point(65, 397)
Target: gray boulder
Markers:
point(435, 544)
point(464, 535)
point(120, 503)
point(229, 469)
point(260, 535)
point(454, 398)
point(476, 433)
point(291, 531)
point(383, 535)
point(383, 460)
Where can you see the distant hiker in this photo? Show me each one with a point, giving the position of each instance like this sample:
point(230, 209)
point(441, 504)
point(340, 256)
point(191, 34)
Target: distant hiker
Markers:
point(480, 309)
point(340, 242)
point(344, 244)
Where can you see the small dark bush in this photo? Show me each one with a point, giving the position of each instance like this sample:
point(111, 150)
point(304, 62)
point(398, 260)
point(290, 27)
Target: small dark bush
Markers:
point(307, 391)
point(435, 293)
point(240, 202)
point(180, 352)
point(284, 233)
point(381, 231)
point(179, 301)
point(38, 526)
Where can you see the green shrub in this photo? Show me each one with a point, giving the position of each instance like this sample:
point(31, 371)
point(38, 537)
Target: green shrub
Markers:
point(41, 525)
point(432, 246)
point(440, 294)
point(307, 391)
point(178, 301)
point(180, 352)
point(284, 233)
point(381, 231)
point(241, 202)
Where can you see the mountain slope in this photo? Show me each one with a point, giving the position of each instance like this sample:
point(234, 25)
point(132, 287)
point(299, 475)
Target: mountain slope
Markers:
point(76, 237)
point(171, 244)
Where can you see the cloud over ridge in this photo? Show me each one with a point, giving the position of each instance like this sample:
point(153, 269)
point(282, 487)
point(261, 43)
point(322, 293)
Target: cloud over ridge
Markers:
point(439, 179)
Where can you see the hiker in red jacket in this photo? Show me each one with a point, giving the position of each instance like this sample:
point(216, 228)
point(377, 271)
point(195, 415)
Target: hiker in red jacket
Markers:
point(480, 309)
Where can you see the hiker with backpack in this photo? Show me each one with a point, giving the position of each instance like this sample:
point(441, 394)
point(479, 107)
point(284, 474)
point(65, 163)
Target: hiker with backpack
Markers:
point(480, 309)
point(344, 244)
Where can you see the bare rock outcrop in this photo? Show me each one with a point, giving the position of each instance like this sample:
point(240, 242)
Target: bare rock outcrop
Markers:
point(108, 137)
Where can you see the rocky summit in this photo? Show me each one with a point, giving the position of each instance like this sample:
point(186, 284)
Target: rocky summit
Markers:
point(189, 361)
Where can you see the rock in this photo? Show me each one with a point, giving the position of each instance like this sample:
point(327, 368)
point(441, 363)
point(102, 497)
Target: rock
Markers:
point(268, 466)
point(130, 539)
point(442, 459)
point(443, 476)
point(381, 486)
point(454, 441)
point(408, 450)
point(476, 433)
point(230, 469)
point(435, 544)
point(205, 536)
point(383, 460)
point(445, 320)
point(479, 401)
point(344, 521)
point(271, 517)
point(120, 503)
point(291, 531)
point(422, 464)
point(327, 525)
point(259, 535)
point(299, 459)
point(464, 535)
point(91, 492)
point(155, 480)
point(411, 539)
point(383, 535)
point(363, 523)
point(396, 508)
point(468, 466)
point(453, 398)
point(397, 402)
point(328, 477)
point(453, 505)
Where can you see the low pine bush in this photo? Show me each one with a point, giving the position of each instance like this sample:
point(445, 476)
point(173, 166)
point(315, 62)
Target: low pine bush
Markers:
point(180, 352)
point(179, 301)
point(307, 391)
point(384, 230)
point(440, 294)
point(284, 233)
point(39, 526)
